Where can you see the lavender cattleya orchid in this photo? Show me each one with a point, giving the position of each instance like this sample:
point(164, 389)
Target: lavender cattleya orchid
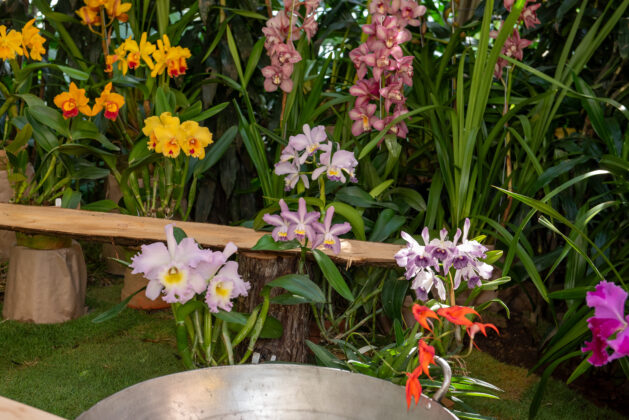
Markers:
point(328, 234)
point(280, 233)
point(301, 223)
point(310, 140)
point(341, 161)
point(609, 325)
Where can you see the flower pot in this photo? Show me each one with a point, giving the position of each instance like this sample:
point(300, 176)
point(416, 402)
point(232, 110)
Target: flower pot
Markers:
point(45, 286)
point(133, 283)
point(42, 242)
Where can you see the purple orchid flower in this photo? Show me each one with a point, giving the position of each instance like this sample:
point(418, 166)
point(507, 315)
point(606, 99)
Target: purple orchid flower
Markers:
point(301, 223)
point(341, 161)
point(328, 235)
point(310, 140)
point(293, 175)
point(280, 233)
point(608, 301)
point(419, 266)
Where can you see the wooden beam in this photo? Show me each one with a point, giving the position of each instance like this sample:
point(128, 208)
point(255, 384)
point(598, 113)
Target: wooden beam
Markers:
point(132, 230)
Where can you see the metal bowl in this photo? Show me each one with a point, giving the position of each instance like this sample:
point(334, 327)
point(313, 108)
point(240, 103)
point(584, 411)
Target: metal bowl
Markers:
point(269, 391)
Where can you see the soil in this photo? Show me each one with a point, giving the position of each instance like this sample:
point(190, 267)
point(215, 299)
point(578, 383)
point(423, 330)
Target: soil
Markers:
point(519, 343)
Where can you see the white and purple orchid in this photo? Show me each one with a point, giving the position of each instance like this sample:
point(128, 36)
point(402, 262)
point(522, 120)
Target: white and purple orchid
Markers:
point(282, 226)
point(341, 161)
point(182, 270)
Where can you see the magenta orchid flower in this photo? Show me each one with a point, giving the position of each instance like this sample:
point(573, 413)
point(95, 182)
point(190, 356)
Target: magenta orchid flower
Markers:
point(280, 233)
point(170, 268)
point(405, 69)
point(328, 234)
point(390, 33)
point(393, 93)
point(357, 56)
point(363, 118)
point(609, 325)
point(301, 222)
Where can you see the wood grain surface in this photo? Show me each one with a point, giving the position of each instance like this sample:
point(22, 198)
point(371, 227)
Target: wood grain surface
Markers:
point(132, 230)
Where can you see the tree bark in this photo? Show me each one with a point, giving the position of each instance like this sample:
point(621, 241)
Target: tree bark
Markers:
point(259, 269)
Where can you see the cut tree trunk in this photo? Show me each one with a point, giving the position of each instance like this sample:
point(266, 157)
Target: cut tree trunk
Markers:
point(259, 269)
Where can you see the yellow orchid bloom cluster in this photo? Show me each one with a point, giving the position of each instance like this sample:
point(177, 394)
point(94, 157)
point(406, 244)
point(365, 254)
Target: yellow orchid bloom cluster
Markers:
point(167, 58)
point(90, 14)
point(168, 136)
point(28, 43)
point(75, 101)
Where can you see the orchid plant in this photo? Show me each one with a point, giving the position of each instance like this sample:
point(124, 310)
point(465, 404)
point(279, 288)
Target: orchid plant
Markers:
point(201, 285)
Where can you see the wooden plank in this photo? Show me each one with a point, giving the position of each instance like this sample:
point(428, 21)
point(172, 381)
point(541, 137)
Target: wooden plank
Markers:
point(131, 230)
point(13, 410)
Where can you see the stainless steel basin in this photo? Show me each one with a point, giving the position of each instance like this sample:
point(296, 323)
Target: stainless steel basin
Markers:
point(268, 391)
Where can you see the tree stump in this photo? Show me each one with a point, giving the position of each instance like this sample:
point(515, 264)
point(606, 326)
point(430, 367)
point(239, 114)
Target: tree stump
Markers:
point(259, 269)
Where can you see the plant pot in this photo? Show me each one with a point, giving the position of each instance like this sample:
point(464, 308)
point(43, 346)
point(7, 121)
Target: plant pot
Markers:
point(114, 251)
point(133, 283)
point(45, 286)
point(7, 237)
point(42, 242)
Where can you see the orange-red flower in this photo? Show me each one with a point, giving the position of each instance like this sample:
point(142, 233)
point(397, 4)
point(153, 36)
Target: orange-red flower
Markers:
point(456, 314)
point(426, 356)
point(72, 102)
point(413, 387)
point(479, 326)
point(110, 59)
point(421, 313)
point(111, 102)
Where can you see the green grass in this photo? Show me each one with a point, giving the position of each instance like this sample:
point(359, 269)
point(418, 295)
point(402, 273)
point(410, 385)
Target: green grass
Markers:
point(560, 402)
point(66, 368)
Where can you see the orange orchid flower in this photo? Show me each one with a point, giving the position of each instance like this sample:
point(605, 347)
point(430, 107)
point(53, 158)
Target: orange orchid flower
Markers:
point(111, 102)
point(117, 10)
point(10, 43)
point(89, 16)
point(479, 326)
point(456, 314)
point(426, 356)
point(72, 102)
point(110, 59)
point(413, 387)
point(421, 313)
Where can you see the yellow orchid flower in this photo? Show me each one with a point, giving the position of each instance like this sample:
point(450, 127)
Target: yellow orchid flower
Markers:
point(117, 10)
point(111, 102)
point(89, 16)
point(130, 46)
point(146, 49)
point(177, 64)
point(169, 139)
point(31, 39)
point(166, 120)
point(195, 139)
point(72, 102)
point(160, 57)
point(120, 52)
point(10, 44)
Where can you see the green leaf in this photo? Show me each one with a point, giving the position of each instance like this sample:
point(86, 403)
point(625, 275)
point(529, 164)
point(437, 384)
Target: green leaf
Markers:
point(101, 205)
point(583, 367)
point(252, 63)
point(50, 118)
point(231, 43)
point(162, 102)
point(573, 293)
point(379, 189)
point(325, 357)
point(300, 285)
point(214, 153)
point(246, 13)
point(411, 197)
point(267, 243)
point(21, 139)
point(179, 234)
point(387, 223)
point(332, 274)
point(115, 310)
point(288, 299)
point(493, 256)
point(393, 293)
point(210, 112)
point(70, 199)
point(352, 216)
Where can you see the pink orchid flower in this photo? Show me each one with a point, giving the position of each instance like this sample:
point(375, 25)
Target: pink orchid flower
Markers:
point(280, 233)
point(301, 222)
point(364, 90)
point(357, 56)
point(278, 76)
point(363, 118)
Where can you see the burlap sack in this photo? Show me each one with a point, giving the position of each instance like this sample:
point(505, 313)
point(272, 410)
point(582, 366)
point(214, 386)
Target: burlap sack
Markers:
point(7, 237)
point(132, 283)
point(45, 286)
